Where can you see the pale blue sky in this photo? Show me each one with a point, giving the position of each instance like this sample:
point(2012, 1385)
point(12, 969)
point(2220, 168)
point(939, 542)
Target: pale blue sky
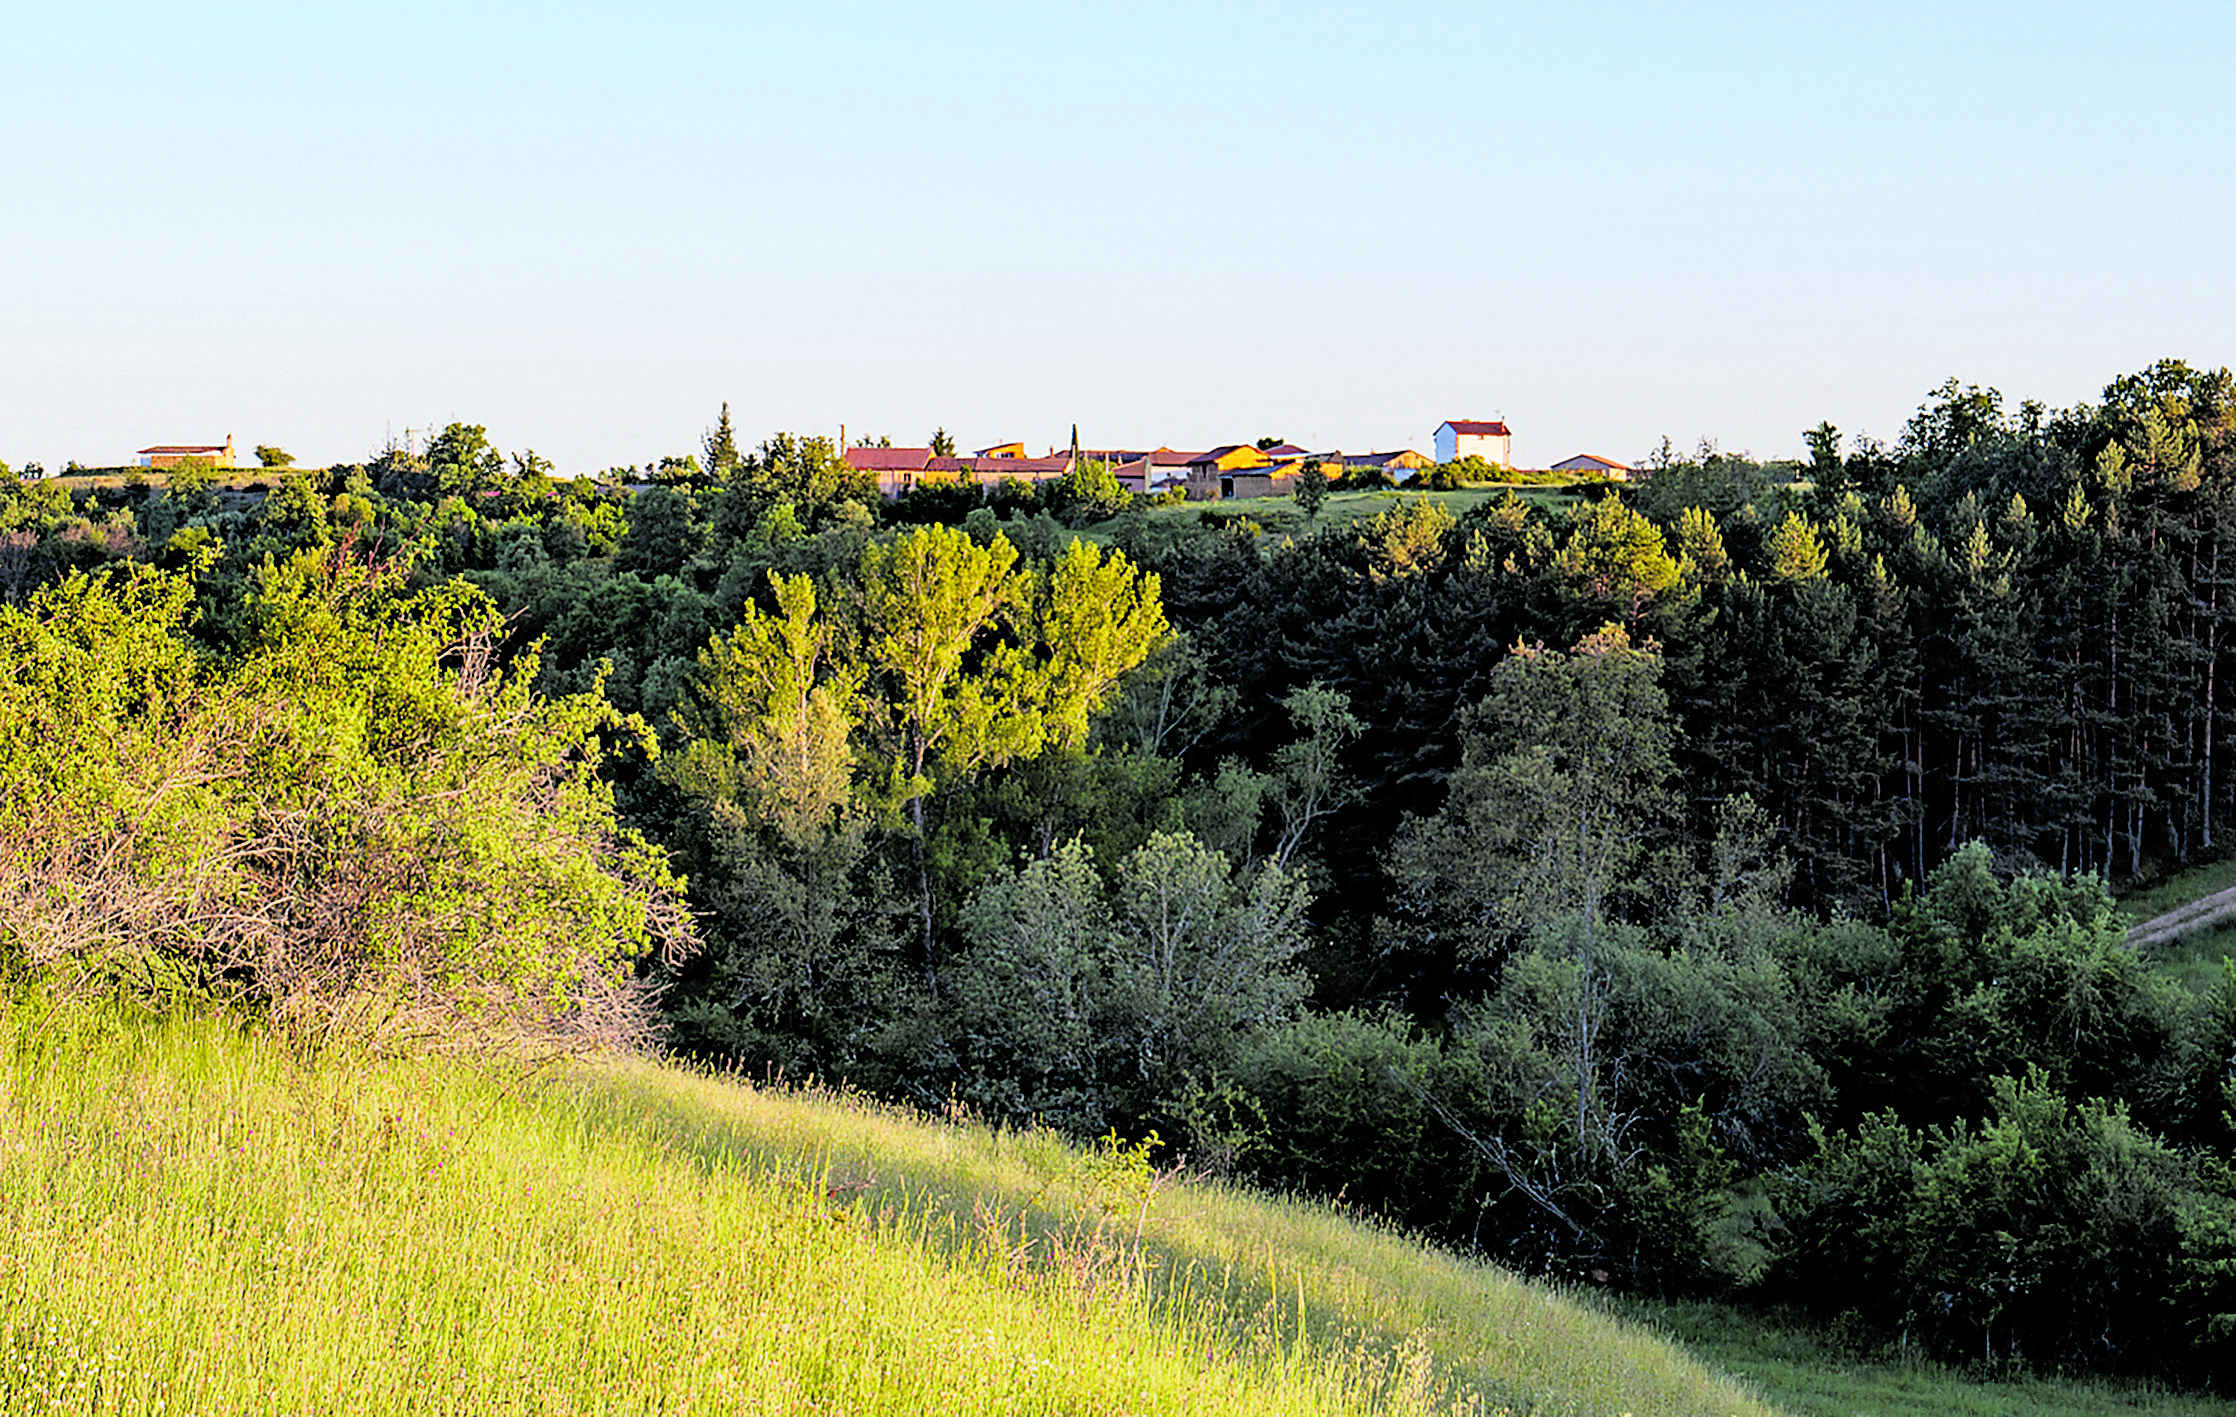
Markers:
point(587, 225)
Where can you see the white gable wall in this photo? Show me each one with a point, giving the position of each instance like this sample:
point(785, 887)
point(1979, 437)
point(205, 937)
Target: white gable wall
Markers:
point(1492, 448)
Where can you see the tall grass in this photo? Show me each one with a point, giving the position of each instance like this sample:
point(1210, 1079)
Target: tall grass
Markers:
point(1811, 1372)
point(194, 1220)
point(1357, 1286)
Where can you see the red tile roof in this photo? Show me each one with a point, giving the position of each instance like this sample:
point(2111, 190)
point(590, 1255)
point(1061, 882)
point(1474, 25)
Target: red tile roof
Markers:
point(888, 459)
point(1133, 463)
point(1483, 430)
point(182, 448)
point(1025, 467)
point(996, 467)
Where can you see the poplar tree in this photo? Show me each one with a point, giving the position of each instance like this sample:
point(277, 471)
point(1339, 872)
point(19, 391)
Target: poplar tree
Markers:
point(782, 837)
point(973, 661)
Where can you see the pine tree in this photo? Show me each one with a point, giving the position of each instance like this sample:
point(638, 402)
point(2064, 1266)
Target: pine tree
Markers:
point(721, 447)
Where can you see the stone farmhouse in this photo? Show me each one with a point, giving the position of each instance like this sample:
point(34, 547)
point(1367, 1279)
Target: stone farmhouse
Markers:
point(172, 454)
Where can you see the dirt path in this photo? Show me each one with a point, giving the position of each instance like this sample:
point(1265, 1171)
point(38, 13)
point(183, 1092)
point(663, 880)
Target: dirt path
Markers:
point(2201, 914)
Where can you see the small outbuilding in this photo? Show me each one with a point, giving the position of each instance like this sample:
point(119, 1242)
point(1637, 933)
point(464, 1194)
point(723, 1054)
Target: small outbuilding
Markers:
point(1588, 464)
point(1211, 474)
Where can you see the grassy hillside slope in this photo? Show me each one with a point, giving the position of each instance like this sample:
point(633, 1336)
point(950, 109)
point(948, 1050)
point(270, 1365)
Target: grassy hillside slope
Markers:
point(191, 1220)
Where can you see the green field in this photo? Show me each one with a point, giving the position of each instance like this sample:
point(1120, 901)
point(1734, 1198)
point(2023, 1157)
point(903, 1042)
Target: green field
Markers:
point(195, 1220)
point(110, 478)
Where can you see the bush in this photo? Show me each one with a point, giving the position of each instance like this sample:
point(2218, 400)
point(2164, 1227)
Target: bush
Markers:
point(1090, 492)
point(947, 501)
point(1014, 498)
point(1351, 1094)
point(1999, 976)
point(1459, 472)
point(2042, 1236)
point(358, 824)
point(1087, 1006)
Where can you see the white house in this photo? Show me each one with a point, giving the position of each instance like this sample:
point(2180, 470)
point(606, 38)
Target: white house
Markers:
point(1459, 437)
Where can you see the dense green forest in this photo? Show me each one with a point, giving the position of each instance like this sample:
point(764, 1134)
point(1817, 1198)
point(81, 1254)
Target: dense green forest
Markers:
point(1701, 886)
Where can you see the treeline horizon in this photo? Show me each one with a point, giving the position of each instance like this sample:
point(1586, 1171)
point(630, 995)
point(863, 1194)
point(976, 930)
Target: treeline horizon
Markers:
point(1700, 886)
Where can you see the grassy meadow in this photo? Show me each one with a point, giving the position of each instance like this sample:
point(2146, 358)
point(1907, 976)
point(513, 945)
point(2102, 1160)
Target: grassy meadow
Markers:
point(1808, 1372)
point(194, 1220)
point(2197, 957)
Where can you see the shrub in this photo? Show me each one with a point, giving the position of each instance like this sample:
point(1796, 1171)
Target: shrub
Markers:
point(1090, 492)
point(945, 500)
point(1459, 472)
point(359, 823)
point(1014, 498)
point(1352, 1094)
point(2041, 1236)
point(1085, 1006)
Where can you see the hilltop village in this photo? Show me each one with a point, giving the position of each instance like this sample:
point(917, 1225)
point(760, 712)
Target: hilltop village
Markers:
point(1266, 468)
